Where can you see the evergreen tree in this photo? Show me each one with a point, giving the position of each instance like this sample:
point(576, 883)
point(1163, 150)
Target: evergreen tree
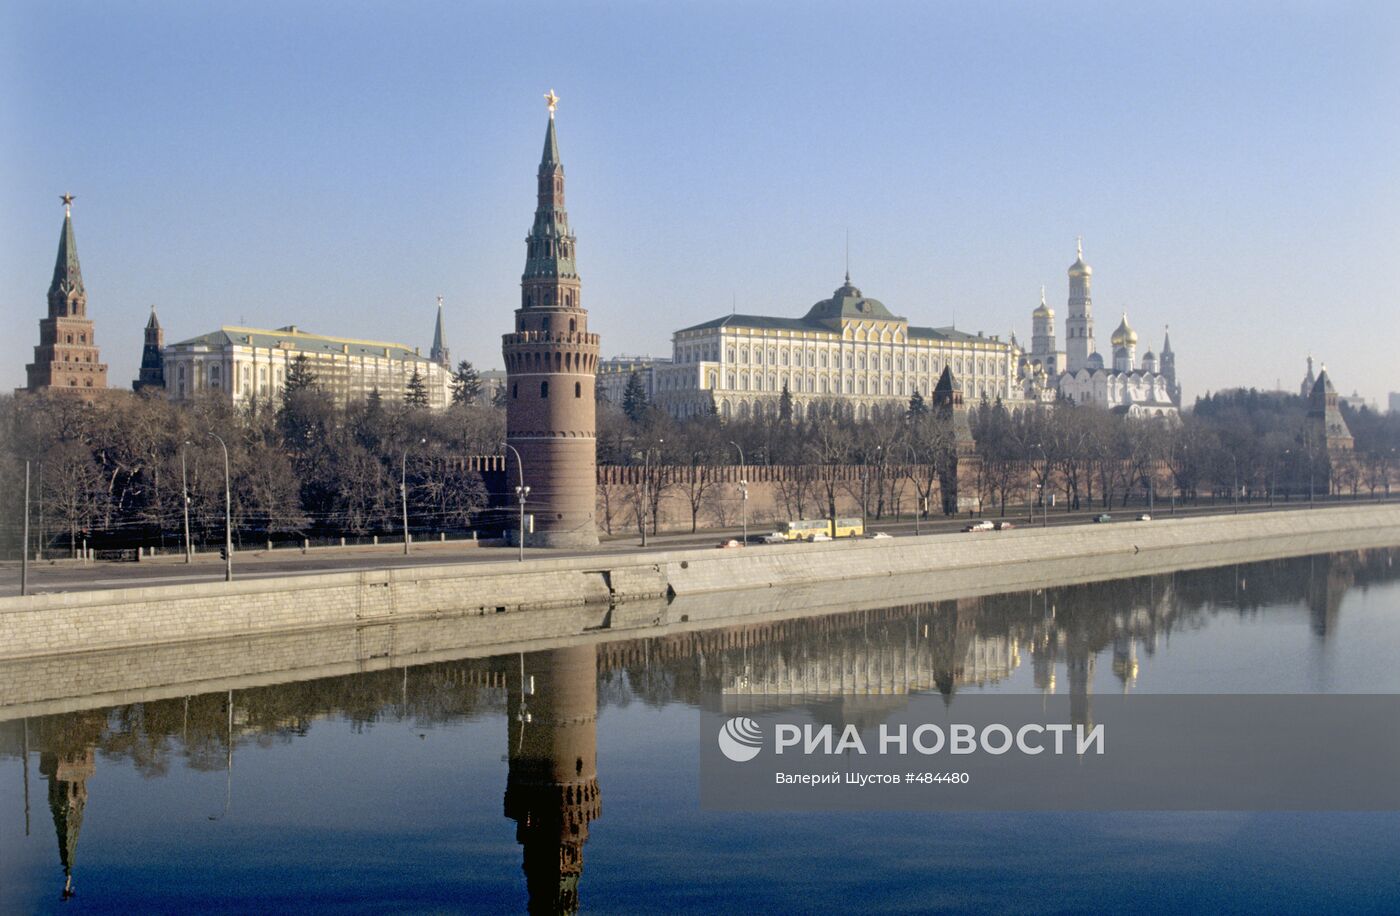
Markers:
point(304, 412)
point(416, 394)
point(785, 405)
point(917, 406)
point(300, 377)
point(466, 384)
point(634, 399)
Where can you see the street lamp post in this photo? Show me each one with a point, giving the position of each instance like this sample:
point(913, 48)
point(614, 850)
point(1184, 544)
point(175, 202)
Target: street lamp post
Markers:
point(185, 493)
point(39, 498)
point(24, 548)
point(228, 514)
point(646, 487)
point(1044, 487)
point(1235, 488)
point(743, 491)
point(918, 494)
point(521, 493)
point(403, 493)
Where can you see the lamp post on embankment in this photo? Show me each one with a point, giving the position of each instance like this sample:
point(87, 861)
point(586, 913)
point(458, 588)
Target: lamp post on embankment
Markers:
point(522, 492)
point(228, 513)
point(743, 491)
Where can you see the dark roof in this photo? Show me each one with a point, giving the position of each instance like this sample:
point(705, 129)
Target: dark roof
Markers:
point(759, 321)
point(67, 275)
point(550, 156)
point(297, 340)
point(847, 302)
point(1323, 385)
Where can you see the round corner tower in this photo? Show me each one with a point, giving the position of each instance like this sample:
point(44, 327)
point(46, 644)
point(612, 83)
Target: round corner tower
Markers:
point(551, 363)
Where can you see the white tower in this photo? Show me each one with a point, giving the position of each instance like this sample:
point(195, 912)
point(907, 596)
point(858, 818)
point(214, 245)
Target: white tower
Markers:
point(1079, 328)
point(1043, 338)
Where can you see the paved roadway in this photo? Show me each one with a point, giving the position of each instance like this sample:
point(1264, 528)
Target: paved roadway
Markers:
point(68, 575)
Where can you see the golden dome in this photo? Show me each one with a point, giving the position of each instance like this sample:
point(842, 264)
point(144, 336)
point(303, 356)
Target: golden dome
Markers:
point(1079, 268)
point(1124, 336)
point(1043, 310)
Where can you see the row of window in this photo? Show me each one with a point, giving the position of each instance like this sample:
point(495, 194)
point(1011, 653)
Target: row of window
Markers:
point(815, 359)
point(544, 390)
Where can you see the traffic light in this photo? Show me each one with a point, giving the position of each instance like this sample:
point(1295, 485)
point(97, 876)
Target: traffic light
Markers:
point(223, 553)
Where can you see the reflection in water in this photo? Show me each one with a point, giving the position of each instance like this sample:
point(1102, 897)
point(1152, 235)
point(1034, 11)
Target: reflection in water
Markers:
point(552, 786)
point(854, 667)
point(67, 774)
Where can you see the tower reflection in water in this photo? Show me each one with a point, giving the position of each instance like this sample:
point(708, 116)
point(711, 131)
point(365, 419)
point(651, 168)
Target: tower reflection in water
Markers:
point(856, 666)
point(552, 785)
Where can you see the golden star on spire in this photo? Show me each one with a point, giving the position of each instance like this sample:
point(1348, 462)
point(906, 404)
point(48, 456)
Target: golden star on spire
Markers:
point(552, 101)
point(67, 203)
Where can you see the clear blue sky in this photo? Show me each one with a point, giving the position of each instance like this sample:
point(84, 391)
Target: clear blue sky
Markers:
point(1234, 168)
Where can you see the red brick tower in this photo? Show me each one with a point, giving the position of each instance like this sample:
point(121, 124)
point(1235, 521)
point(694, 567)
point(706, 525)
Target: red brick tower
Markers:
point(551, 362)
point(66, 358)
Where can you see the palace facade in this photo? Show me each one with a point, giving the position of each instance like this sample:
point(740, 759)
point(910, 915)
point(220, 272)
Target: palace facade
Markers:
point(246, 365)
point(848, 347)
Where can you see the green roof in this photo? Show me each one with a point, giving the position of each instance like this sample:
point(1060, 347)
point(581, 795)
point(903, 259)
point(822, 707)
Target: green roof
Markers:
point(847, 303)
point(290, 338)
point(67, 275)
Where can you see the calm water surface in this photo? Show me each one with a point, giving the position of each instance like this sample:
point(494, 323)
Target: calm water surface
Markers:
point(567, 778)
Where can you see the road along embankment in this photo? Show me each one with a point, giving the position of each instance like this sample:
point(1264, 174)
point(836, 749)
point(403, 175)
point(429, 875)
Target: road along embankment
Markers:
point(633, 584)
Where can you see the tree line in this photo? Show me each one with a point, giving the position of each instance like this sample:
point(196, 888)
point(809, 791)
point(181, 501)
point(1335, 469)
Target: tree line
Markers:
point(111, 470)
point(115, 471)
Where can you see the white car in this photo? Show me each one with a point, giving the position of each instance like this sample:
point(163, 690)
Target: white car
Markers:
point(819, 536)
point(880, 536)
point(1144, 517)
point(774, 538)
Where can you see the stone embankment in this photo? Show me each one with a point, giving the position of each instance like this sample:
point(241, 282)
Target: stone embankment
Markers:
point(944, 565)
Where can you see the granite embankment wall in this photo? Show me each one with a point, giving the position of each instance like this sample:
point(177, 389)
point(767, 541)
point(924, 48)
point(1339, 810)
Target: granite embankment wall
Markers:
point(54, 683)
point(59, 624)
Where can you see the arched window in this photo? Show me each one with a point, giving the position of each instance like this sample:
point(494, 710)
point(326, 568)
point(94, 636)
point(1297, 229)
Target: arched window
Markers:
point(573, 325)
point(578, 389)
point(70, 340)
point(515, 389)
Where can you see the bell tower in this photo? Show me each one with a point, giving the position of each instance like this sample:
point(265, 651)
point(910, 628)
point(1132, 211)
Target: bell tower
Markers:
point(1079, 327)
point(551, 363)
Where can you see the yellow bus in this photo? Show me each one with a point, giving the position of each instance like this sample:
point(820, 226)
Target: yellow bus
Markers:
point(848, 528)
point(806, 529)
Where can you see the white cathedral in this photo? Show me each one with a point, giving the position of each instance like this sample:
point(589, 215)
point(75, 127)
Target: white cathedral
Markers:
point(1079, 373)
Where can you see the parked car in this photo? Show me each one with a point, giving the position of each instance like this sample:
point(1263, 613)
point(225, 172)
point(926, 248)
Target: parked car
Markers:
point(983, 525)
point(1105, 517)
point(1144, 517)
point(819, 537)
point(777, 537)
point(729, 542)
point(1005, 526)
point(880, 536)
